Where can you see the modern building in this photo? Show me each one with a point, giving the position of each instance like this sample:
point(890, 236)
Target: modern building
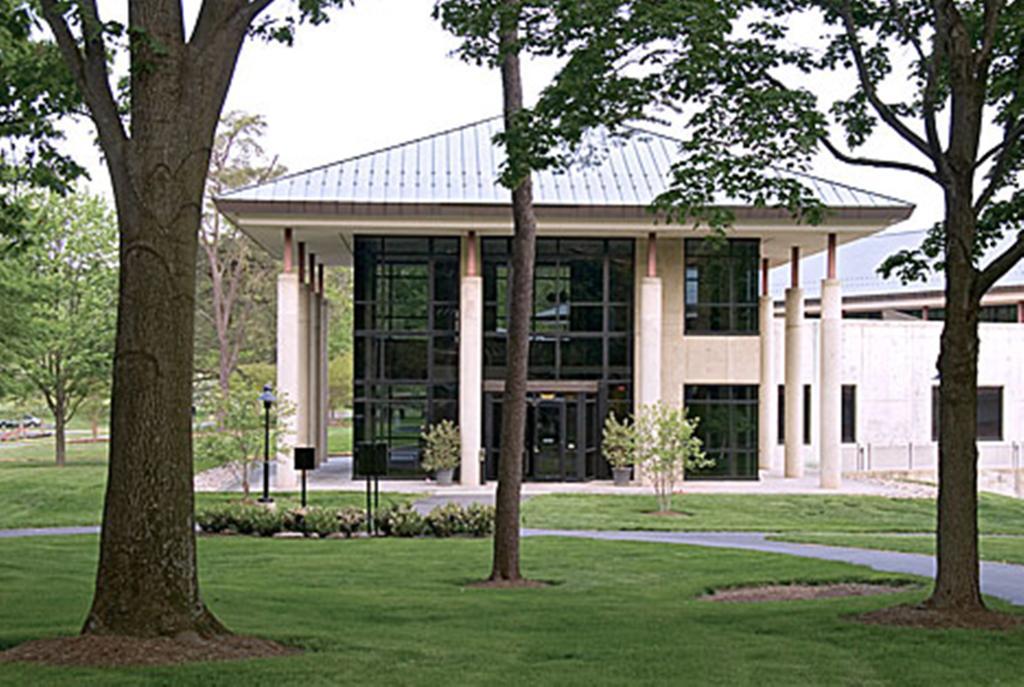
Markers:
point(628, 310)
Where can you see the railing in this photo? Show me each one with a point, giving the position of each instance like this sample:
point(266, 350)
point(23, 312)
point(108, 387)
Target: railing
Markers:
point(925, 456)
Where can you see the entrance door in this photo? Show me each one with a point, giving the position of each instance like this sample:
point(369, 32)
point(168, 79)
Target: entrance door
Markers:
point(549, 440)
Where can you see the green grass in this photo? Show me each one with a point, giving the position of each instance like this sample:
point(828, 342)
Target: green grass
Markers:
point(800, 513)
point(396, 612)
point(339, 439)
point(1000, 549)
point(34, 492)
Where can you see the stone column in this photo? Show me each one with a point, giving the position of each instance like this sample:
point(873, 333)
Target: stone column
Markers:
point(324, 363)
point(471, 351)
point(315, 412)
point(766, 411)
point(794, 372)
point(290, 377)
point(830, 374)
point(649, 386)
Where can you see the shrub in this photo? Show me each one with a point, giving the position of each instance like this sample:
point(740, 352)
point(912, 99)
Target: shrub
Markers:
point(618, 442)
point(446, 520)
point(213, 520)
point(351, 520)
point(442, 447)
point(667, 445)
point(478, 520)
point(400, 520)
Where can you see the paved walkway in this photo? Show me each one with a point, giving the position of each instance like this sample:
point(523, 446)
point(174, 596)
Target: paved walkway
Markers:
point(336, 475)
point(1002, 580)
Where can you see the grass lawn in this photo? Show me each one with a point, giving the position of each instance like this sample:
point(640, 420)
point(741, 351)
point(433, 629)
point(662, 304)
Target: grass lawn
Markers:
point(801, 513)
point(1000, 549)
point(339, 439)
point(34, 492)
point(396, 612)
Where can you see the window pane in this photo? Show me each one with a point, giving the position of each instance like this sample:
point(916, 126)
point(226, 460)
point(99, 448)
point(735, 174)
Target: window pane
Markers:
point(849, 413)
point(990, 414)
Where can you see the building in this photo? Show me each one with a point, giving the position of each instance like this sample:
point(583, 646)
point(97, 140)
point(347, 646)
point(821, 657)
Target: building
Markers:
point(627, 310)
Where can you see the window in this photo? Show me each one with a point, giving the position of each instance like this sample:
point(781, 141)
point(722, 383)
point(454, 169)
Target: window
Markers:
point(727, 427)
point(406, 345)
point(721, 286)
point(990, 413)
point(849, 412)
point(781, 426)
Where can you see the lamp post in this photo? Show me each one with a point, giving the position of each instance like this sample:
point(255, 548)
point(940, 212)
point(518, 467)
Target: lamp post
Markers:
point(268, 400)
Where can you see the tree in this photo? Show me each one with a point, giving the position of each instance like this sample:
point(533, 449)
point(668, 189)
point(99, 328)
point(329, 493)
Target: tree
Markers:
point(237, 441)
point(934, 75)
point(59, 288)
point(491, 35)
point(666, 445)
point(157, 145)
point(37, 93)
point(236, 279)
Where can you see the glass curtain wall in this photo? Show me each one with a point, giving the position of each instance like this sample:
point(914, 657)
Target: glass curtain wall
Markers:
point(722, 286)
point(406, 345)
point(727, 428)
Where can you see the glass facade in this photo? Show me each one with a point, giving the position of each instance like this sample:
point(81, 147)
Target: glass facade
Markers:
point(727, 428)
point(406, 343)
point(721, 285)
point(989, 413)
point(581, 331)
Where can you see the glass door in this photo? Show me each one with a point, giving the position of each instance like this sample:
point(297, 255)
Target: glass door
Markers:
point(548, 439)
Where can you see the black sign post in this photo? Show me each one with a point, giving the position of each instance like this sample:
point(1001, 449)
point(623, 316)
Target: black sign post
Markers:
point(371, 462)
point(305, 459)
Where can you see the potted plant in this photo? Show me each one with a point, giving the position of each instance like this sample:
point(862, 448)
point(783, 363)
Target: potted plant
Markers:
point(442, 447)
point(618, 445)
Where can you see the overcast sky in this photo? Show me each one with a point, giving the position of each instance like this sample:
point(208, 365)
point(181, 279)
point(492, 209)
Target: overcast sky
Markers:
point(381, 73)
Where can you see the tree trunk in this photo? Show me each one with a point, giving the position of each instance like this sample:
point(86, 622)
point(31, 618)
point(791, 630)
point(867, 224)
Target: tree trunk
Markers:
point(60, 445)
point(147, 583)
point(513, 412)
point(957, 585)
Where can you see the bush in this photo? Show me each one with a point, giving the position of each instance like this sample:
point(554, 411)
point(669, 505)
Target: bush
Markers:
point(312, 520)
point(351, 520)
point(478, 520)
point(446, 520)
point(240, 518)
point(441, 447)
point(400, 520)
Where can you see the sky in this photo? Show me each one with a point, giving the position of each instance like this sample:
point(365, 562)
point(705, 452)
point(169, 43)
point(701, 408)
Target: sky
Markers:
point(381, 72)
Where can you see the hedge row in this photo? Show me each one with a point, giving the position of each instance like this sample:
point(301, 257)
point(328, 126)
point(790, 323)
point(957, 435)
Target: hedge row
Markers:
point(397, 520)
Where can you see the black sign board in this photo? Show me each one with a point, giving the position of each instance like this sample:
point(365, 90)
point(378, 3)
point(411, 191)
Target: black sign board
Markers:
point(371, 459)
point(305, 458)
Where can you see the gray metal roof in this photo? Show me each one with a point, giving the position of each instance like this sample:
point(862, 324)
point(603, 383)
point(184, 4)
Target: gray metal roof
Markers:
point(461, 166)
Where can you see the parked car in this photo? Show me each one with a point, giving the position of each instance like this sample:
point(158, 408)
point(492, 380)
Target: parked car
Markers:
point(31, 421)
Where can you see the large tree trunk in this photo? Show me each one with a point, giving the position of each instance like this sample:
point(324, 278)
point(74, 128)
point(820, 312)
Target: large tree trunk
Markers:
point(513, 412)
point(957, 585)
point(147, 582)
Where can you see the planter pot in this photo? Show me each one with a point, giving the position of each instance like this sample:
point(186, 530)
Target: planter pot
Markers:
point(621, 476)
point(444, 477)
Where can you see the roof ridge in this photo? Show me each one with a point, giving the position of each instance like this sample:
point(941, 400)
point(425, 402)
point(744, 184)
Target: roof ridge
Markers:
point(385, 149)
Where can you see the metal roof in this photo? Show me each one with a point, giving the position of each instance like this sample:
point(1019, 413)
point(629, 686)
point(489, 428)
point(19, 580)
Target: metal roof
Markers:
point(461, 166)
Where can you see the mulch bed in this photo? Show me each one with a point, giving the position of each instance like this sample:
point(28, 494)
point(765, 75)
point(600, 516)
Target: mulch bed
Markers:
point(111, 651)
point(800, 592)
point(920, 617)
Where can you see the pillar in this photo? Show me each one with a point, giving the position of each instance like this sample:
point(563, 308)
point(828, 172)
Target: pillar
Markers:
point(325, 398)
point(315, 416)
point(766, 410)
point(649, 382)
point(830, 340)
point(794, 371)
point(289, 365)
point(471, 351)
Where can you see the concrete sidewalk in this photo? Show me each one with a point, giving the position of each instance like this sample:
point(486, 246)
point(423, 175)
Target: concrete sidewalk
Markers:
point(336, 475)
point(1002, 580)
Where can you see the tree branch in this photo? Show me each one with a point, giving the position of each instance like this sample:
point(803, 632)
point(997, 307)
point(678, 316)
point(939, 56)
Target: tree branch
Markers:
point(90, 70)
point(993, 12)
point(999, 267)
point(1013, 132)
point(879, 164)
point(883, 110)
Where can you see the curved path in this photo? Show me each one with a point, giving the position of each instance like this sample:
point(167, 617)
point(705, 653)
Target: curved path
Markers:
point(1002, 580)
